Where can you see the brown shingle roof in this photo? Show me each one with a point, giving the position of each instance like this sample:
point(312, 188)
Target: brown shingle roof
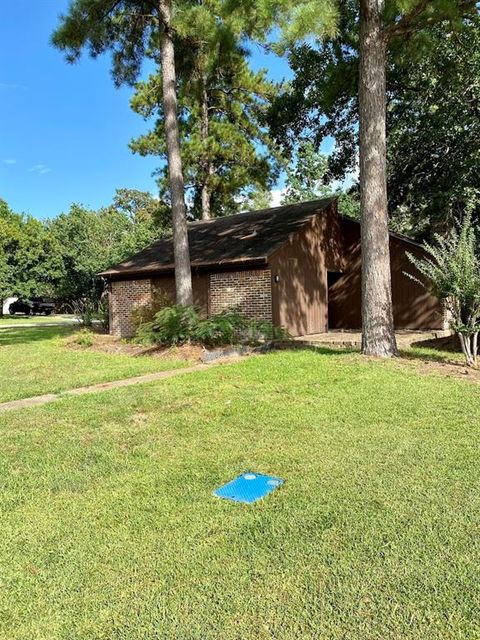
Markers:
point(242, 237)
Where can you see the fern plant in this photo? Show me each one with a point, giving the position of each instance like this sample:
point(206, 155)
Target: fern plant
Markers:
point(222, 328)
point(179, 324)
point(176, 324)
point(451, 271)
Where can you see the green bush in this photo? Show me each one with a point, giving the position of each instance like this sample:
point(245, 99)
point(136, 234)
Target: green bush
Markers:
point(231, 327)
point(179, 324)
point(90, 310)
point(223, 328)
point(145, 313)
point(85, 309)
point(103, 314)
point(171, 325)
point(451, 270)
point(84, 338)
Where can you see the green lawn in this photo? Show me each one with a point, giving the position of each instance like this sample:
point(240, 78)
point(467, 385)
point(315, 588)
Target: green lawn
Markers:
point(110, 529)
point(34, 320)
point(434, 355)
point(35, 361)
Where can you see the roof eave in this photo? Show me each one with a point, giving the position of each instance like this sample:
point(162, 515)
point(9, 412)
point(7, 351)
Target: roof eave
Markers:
point(392, 234)
point(170, 268)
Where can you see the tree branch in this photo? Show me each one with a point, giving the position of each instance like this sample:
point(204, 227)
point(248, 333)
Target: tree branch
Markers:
point(404, 25)
point(407, 23)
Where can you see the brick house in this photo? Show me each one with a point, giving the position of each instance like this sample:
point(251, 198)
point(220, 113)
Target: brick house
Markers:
point(298, 265)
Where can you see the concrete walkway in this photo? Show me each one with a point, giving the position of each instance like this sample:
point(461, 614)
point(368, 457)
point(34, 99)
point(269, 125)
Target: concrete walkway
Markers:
point(102, 386)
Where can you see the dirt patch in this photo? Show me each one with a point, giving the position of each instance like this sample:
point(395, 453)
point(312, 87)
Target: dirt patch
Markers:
point(449, 366)
point(105, 343)
point(446, 369)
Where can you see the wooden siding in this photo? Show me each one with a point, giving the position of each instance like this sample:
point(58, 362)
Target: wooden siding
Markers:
point(413, 306)
point(200, 285)
point(299, 297)
point(301, 300)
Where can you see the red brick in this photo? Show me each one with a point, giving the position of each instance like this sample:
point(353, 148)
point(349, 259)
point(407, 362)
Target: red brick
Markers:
point(248, 291)
point(125, 296)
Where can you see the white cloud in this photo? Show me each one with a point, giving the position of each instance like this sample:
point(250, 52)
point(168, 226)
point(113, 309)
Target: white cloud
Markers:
point(10, 85)
point(40, 169)
point(276, 196)
point(9, 161)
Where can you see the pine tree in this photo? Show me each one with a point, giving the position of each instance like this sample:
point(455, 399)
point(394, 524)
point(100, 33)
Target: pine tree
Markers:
point(308, 179)
point(375, 28)
point(133, 30)
point(383, 23)
point(222, 103)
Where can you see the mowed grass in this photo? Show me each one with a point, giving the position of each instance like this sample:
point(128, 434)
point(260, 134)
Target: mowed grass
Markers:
point(34, 320)
point(37, 360)
point(110, 529)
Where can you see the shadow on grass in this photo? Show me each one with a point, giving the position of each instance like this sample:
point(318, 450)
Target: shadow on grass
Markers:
point(446, 350)
point(21, 317)
point(25, 335)
point(320, 349)
point(441, 350)
point(16, 316)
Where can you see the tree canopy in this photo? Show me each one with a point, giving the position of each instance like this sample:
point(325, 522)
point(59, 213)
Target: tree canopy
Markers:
point(307, 179)
point(61, 257)
point(433, 97)
point(29, 259)
point(227, 154)
point(434, 133)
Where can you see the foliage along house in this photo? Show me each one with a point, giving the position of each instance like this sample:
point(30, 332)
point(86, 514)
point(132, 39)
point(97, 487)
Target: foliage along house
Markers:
point(298, 265)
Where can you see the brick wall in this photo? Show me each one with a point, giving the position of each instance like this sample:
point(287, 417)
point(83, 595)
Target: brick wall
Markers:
point(125, 296)
point(248, 291)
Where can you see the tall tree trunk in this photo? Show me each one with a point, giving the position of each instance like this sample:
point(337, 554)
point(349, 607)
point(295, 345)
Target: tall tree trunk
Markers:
point(183, 274)
point(378, 334)
point(205, 196)
point(206, 164)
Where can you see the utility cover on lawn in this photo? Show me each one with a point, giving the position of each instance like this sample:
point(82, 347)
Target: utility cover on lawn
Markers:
point(248, 488)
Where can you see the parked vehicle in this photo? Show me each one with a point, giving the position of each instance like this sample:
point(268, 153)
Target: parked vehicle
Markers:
point(33, 306)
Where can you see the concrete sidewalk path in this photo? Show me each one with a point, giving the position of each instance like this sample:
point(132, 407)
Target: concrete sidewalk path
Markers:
point(35, 401)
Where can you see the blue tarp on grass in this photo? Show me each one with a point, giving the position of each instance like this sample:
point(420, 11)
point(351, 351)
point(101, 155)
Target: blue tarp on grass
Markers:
point(248, 487)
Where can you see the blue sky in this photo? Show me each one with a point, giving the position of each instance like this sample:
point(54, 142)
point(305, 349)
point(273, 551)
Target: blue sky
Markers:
point(65, 129)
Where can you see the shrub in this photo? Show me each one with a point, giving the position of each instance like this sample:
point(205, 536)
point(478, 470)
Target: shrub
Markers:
point(103, 314)
point(171, 325)
point(230, 327)
point(84, 309)
point(179, 324)
point(84, 338)
point(452, 272)
point(224, 328)
point(90, 311)
point(145, 313)
point(263, 330)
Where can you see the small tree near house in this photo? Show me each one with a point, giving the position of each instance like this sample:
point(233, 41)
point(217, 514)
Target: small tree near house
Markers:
point(452, 273)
